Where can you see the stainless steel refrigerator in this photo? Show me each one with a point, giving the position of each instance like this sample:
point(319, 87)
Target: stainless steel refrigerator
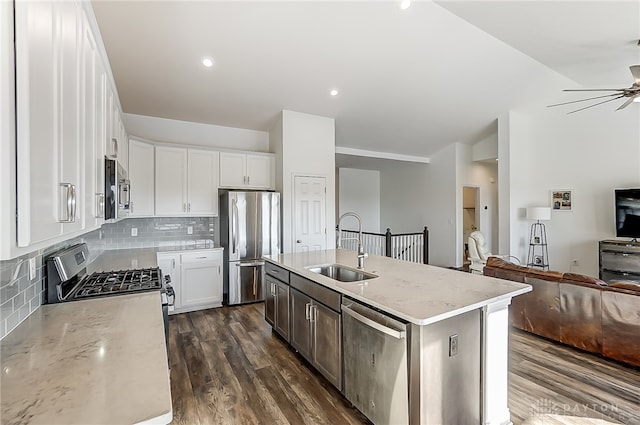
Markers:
point(249, 229)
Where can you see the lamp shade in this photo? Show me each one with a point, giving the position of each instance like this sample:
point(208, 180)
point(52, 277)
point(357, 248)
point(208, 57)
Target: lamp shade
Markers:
point(539, 213)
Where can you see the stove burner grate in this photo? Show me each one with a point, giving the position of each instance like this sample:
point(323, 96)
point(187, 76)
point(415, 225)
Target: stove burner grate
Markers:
point(118, 282)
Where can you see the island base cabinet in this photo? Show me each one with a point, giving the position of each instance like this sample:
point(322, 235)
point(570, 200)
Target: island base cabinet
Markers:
point(327, 342)
point(316, 332)
point(276, 306)
point(300, 325)
point(282, 310)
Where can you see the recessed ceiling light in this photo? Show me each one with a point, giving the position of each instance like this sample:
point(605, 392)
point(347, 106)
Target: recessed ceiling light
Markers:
point(333, 92)
point(207, 62)
point(404, 4)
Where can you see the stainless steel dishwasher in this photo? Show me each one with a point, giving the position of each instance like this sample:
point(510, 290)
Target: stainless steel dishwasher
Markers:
point(375, 363)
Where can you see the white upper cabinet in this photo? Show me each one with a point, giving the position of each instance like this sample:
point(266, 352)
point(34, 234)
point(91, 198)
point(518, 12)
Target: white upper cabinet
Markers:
point(260, 171)
point(141, 177)
point(186, 181)
point(246, 171)
point(202, 182)
point(50, 129)
point(171, 181)
point(64, 120)
point(37, 147)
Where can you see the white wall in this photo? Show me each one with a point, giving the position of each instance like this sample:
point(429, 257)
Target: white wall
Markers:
point(307, 148)
point(484, 176)
point(417, 195)
point(590, 152)
point(191, 133)
point(359, 192)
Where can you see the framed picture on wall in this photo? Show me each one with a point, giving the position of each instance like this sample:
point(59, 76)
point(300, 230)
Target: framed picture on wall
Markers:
point(561, 200)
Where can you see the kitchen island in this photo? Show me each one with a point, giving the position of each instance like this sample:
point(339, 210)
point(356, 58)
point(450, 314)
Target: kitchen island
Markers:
point(457, 330)
point(99, 361)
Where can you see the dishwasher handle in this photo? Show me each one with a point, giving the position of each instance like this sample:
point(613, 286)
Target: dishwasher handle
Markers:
point(373, 324)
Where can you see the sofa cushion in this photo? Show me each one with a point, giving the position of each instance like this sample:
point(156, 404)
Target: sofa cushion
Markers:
point(542, 307)
point(574, 277)
point(544, 274)
point(580, 316)
point(631, 285)
point(621, 326)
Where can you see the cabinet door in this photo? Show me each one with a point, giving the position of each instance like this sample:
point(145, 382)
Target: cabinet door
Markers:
point(169, 263)
point(36, 152)
point(101, 138)
point(327, 343)
point(259, 171)
point(141, 177)
point(89, 127)
point(170, 181)
point(282, 309)
point(201, 278)
point(270, 300)
point(300, 327)
point(232, 169)
point(202, 182)
point(68, 52)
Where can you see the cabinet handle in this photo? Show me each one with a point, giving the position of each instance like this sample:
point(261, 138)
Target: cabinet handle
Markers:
point(130, 207)
point(313, 312)
point(68, 206)
point(184, 206)
point(114, 141)
point(189, 207)
point(201, 258)
point(248, 179)
point(306, 311)
point(173, 263)
point(100, 205)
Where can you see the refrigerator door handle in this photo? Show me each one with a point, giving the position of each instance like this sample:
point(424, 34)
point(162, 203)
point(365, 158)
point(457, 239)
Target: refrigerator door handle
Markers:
point(234, 225)
point(251, 264)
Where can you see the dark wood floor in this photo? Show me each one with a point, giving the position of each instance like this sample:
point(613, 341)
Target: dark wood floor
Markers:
point(227, 367)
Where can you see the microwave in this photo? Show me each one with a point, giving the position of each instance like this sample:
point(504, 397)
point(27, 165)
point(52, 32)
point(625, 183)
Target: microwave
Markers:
point(117, 190)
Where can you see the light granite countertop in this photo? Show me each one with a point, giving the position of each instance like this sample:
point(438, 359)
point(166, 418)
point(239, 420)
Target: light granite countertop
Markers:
point(140, 258)
point(84, 363)
point(418, 293)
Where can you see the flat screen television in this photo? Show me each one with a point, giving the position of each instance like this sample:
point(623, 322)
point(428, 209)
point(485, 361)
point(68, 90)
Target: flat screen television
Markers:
point(628, 213)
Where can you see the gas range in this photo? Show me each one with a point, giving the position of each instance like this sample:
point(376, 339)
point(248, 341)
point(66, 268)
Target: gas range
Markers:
point(67, 279)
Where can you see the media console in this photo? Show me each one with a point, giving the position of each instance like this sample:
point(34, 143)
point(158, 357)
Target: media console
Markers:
point(619, 260)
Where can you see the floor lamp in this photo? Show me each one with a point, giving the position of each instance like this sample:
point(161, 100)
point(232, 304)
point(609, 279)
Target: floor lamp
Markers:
point(538, 252)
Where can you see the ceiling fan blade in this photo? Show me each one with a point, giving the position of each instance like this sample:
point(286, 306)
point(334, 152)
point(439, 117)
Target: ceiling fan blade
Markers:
point(584, 100)
point(594, 89)
point(635, 71)
point(596, 104)
point(625, 104)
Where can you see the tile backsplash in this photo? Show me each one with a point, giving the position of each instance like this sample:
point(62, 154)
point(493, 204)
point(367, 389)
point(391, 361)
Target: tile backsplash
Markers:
point(21, 296)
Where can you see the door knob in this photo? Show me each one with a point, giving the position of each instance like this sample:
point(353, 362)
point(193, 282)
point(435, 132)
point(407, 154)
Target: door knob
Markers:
point(299, 241)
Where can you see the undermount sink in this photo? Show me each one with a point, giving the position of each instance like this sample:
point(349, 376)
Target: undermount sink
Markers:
point(341, 273)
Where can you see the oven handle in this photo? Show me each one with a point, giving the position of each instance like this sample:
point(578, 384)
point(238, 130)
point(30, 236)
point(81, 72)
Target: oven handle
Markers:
point(170, 293)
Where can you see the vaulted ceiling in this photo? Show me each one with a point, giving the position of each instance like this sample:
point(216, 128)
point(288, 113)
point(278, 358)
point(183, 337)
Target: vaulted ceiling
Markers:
point(409, 81)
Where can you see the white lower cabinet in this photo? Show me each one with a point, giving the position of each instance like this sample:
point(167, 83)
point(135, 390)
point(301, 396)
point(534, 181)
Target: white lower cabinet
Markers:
point(196, 277)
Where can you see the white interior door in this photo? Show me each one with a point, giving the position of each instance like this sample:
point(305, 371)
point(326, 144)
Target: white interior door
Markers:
point(309, 233)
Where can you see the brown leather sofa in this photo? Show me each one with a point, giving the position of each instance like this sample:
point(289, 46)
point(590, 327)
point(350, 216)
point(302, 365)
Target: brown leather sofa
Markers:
point(577, 310)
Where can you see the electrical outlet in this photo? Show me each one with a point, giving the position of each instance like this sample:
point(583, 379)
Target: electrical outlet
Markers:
point(134, 231)
point(32, 268)
point(189, 230)
point(453, 345)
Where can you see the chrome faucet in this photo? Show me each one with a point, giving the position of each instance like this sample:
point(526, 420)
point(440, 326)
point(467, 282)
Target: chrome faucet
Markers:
point(361, 253)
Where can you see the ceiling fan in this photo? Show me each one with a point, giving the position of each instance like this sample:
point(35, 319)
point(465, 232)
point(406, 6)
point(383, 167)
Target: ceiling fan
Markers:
point(633, 93)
